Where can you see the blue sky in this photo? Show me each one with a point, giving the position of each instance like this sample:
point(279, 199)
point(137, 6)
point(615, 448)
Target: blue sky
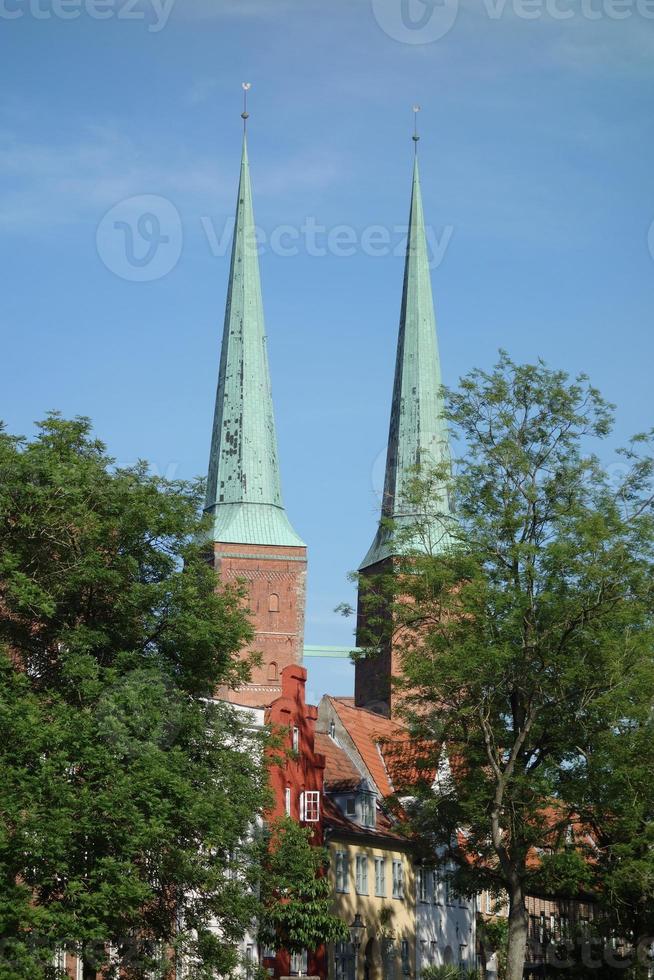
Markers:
point(536, 160)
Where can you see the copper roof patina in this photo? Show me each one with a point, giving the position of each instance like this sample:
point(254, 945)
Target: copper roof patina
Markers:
point(243, 488)
point(418, 434)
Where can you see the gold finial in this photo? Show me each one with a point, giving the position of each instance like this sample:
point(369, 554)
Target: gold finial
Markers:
point(246, 86)
point(415, 137)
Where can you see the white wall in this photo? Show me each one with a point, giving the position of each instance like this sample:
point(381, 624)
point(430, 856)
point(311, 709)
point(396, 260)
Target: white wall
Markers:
point(445, 926)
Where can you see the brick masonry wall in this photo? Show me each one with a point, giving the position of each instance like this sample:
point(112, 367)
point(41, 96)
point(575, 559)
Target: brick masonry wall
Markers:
point(373, 687)
point(372, 675)
point(276, 581)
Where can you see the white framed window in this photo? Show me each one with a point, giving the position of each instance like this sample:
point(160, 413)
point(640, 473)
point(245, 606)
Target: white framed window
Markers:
point(380, 877)
point(423, 887)
point(310, 806)
point(295, 738)
point(299, 963)
point(342, 872)
point(398, 880)
point(287, 801)
point(351, 806)
point(59, 959)
point(448, 890)
point(249, 961)
point(361, 876)
point(368, 807)
point(435, 887)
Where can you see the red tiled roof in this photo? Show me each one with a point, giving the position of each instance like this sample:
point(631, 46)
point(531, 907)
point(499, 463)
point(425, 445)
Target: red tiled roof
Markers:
point(340, 772)
point(384, 745)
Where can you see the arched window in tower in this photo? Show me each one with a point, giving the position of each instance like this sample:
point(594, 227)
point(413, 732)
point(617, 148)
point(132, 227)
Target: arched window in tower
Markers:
point(273, 674)
point(273, 602)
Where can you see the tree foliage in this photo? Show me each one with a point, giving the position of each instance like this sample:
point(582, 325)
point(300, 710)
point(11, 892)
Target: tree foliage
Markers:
point(296, 896)
point(127, 792)
point(524, 625)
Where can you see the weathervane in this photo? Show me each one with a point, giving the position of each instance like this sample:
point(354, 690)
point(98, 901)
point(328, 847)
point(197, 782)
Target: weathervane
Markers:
point(246, 86)
point(415, 137)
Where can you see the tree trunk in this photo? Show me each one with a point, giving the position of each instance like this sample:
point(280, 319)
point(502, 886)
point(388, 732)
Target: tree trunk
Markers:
point(518, 925)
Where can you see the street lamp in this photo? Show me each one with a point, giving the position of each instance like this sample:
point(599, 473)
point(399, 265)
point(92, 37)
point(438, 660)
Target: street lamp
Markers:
point(357, 930)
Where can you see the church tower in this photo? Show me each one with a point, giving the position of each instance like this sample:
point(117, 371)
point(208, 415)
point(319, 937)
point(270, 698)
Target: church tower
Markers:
point(252, 537)
point(417, 438)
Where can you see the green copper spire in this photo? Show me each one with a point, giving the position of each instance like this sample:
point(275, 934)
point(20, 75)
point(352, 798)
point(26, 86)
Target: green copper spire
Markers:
point(418, 433)
point(243, 488)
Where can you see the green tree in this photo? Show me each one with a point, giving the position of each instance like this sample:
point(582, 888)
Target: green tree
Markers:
point(126, 792)
point(530, 635)
point(296, 896)
point(613, 787)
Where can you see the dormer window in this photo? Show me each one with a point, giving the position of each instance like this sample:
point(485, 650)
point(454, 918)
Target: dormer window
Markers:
point(332, 729)
point(368, 807)
point(361, 807)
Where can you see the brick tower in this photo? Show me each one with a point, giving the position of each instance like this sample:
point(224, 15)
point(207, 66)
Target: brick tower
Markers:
point(417, 438)
point(252, 537)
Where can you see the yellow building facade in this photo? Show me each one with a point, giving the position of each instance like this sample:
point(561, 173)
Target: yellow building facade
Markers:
point(374, 876)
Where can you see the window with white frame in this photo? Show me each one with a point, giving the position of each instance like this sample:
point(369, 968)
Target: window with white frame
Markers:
point(423, 887)
point(380, 877)
point(368, 807)
point(398, 879)
point(350, 806)
point(299, 963)
point(448, 890)
point(341, 872)
point(59, 960)
point(295, 738)
point(361, 875)
point(310, 806)
point(287, 801)
point(435, 887)
point(249, 962)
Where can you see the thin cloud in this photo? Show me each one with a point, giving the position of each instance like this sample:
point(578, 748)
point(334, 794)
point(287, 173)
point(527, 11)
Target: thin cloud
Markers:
point(46, 185)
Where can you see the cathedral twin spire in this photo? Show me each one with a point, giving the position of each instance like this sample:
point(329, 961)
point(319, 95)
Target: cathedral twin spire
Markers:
point(243, 490)
point(417, 434)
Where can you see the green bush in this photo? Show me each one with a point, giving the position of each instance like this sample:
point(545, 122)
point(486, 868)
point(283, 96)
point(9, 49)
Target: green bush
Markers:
point(448, 973)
